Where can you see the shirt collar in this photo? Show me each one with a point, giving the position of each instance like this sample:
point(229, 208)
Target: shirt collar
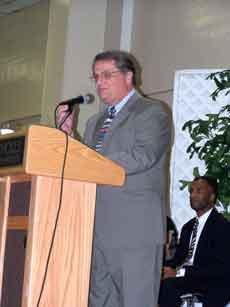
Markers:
point(123, 102)
point(203, 218)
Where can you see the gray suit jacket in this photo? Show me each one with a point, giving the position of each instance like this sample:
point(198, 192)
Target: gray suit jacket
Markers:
point(133, 215)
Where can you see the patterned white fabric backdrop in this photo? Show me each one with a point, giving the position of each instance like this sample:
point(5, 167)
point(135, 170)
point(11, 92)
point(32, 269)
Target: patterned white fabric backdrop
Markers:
point(191, 101)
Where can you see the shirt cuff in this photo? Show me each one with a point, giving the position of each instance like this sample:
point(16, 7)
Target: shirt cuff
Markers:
point(180, 272)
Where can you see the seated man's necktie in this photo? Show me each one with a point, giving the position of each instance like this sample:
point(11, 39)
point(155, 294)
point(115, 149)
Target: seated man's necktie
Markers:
point(192, 242)
point(105, 127)
point(188, 259)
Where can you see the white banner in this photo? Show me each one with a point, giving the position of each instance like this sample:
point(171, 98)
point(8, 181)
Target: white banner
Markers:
point(191, 101)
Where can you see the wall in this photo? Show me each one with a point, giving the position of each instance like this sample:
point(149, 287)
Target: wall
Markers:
point(113, 24)
point(171, 35)
point(22, 57)
point(60, 38)
point(84, 38)
point(54, 59)
point(45, 57)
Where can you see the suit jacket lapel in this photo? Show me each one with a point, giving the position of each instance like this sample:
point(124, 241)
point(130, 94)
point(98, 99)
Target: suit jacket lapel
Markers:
point(119, 118)
point(189, 233)
point(205, 234)
point(98, 124)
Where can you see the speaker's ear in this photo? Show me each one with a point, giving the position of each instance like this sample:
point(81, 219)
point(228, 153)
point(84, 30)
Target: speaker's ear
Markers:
point(213, 196)
point(129, 76)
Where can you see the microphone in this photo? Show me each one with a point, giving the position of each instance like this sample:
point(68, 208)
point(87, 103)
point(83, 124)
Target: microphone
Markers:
point(87, 99)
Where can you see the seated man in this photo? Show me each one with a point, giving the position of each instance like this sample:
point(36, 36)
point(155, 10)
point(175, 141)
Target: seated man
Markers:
point(202, 260)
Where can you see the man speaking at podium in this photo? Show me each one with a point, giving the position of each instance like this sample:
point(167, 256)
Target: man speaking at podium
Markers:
point(129, 223)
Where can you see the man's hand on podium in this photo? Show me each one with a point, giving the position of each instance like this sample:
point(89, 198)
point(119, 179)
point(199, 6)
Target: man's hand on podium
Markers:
point(65, 119)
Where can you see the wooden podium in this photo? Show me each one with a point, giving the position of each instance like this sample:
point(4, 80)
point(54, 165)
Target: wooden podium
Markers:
point(57, 222)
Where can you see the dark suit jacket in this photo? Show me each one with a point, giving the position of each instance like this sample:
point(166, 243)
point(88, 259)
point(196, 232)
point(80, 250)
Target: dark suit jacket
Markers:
point(212, 257)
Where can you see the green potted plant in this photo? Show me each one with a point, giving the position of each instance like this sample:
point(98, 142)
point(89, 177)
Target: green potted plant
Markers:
point(211, 141)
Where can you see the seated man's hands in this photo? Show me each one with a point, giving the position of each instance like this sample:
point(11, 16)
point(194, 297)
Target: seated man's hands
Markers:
point(168, 272)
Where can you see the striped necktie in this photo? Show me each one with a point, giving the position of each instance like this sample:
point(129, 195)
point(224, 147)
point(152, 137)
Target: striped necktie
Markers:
point(104, 128)
point(193, 241)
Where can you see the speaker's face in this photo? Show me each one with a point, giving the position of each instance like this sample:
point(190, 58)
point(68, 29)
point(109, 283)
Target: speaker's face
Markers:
point(112, 84)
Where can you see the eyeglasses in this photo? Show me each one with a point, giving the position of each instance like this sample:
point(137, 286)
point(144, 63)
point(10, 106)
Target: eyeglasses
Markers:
point(106, 75)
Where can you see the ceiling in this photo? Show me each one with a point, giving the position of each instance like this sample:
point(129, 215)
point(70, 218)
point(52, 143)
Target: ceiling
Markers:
point(11, 6)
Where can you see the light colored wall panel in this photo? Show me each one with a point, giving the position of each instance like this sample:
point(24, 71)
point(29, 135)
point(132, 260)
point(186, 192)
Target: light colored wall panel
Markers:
point(113, 24)
point(47, 57)
point(170, 35)
point(22, 55)
point(85, 37)
point(54, 59)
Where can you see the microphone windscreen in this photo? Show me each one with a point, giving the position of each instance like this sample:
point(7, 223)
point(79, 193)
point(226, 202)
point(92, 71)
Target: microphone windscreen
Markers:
point(88, 98)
